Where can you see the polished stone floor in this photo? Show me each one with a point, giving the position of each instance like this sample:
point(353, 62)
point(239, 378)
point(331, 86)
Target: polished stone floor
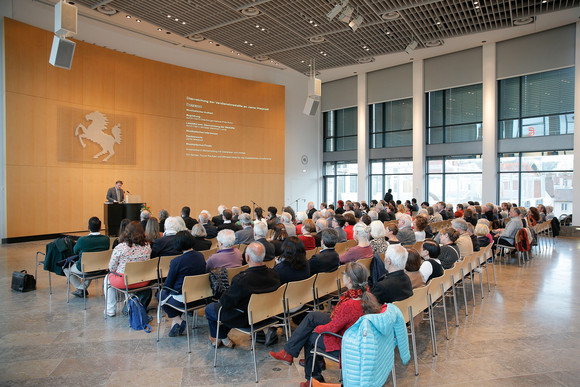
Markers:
point(526, 332)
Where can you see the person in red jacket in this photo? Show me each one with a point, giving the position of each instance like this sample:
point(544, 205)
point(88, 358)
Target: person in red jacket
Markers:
point(354, 303)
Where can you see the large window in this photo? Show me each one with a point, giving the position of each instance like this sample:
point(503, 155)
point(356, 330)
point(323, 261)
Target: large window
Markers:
point(394, 174)
point(454, 179)
point(340, 181)
point(536, 178)
point(340, 129)
point(391, 124)
point(454, 115)
point(537, 104)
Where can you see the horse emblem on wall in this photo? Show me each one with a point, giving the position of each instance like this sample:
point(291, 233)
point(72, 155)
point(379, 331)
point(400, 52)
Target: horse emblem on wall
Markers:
point(95, 132)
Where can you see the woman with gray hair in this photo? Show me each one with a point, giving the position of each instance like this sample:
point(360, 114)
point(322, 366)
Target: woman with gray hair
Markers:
point(379, 242)
point(361, 233)
point(199, 241)
point(163, 215)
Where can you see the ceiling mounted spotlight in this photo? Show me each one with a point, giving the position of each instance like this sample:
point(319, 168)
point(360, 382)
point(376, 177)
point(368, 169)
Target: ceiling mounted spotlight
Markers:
point(392, 15)
point(346, 14)
point(250, 11)
point(336, 10)
point(412, 46)
point(196, 38)
point(522, 21)
point(434, 43)
point(356, 23)
point(316, 39)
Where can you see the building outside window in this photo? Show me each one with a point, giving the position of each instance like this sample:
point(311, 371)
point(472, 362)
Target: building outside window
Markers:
point(340, 129)
point(537, 104)
point(391, 124)
point(340, 181)
point(534, 178)
point(454, 115)
point(394, 174)
point(454, 179)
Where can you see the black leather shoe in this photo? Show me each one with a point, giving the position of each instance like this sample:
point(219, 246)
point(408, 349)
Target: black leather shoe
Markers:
point(271, 337)
point(80, 293)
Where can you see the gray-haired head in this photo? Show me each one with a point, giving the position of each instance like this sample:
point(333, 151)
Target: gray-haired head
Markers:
point(227, 238)
point(256, 252)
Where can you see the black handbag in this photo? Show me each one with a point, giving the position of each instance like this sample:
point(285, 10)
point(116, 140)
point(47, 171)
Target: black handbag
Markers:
point(23, 282)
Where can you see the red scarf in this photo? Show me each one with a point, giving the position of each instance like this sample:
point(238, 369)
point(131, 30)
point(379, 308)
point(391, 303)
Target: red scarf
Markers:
point(349, 294)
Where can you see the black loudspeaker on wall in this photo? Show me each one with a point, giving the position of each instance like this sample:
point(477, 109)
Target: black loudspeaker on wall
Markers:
point(62, 52)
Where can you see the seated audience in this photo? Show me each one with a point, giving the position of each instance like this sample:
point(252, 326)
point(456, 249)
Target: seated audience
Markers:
point(163, 215)
point(300, 217)
point(338, 223)
point(189, 263)
point(327, 259)
point(363, 249)
point(470, 232)
point(272, 219)
point(431, 266)
point(144, 216)
point(379, 242)
point(122, 226)
point(459, 212)
point(199, 243)
point(292, 264)
point(421, 223)
point(356, 302)
point(278, 238)
point(260, 231)
point(290, 210)
point(391, 232)
point(165, 246)
point(321, 224)
point(152, 230)
point(412, 268)
point(189, 221)
point(340, 208)
point(449, 251)
point(89, 243)
point(227, 223)
point(481, 231)
point(308, 228)
point(218, 220)
point(133, 247)
point(246, 234)
point(464, 240)
point(287, 222)
point(468, 216)
point(349, 221)
point(210, 229)
point(234, 303)
point(507, 236)
point(405, 235)
point(395, 285)
point(259, 215)
point(226, 255)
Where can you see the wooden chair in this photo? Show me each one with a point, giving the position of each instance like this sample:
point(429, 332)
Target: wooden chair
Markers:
point(367, 263)
point(298, 294)
point(243, 247)
point(195, 288)
point(448, 284)
point(341, 248)
point(456, 277)
point(326, 287)
point(209, 253)
point(214, 243)
point(350, 243)
point(137, 272)
point(436, 292)
point(163, 267)
point(270, 264)
point(262, 311)
point(94, 265)
point(310, 253)
point(411, 307)
point(467, 267)
point(233, 271)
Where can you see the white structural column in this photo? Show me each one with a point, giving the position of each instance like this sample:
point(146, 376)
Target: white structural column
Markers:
point(576, 178)
point(419, 131)
point(489, 145)
point(362, 154)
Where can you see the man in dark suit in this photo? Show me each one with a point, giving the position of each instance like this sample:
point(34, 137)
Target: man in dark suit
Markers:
point(245, 235)
point(164, 246)
point(116, 194)
point(258, 278)
point(260, 231)
point(227, 222)
point(395, 285)
point(441, 209)
point(211, 230)
point(327, 260)
point(189, 221)
point(218, 220)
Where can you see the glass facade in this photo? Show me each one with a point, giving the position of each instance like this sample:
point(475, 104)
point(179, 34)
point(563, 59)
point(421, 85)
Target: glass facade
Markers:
point(340, 181)
point(454, 115)
point(537, 105)
point(391, 124)
point(529, 179)
point(340, 129)
point(454, 179)
point(394, 174)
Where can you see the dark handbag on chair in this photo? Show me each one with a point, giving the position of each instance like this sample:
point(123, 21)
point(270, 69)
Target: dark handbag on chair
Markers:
point(22, 281)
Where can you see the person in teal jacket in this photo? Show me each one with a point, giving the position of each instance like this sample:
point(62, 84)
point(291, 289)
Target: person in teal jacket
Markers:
point(90, 243)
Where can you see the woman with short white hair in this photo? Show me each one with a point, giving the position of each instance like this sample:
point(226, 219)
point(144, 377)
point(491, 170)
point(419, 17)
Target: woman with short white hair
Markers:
point(361, 234)
point(379, 242)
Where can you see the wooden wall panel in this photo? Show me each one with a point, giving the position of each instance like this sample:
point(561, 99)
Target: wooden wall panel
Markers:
point(50, 175)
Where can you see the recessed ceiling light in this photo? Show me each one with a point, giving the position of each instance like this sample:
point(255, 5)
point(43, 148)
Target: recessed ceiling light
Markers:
point(522, 21)
point(159, 29)
point(138, 20)
point(196, 37)
point(183, 23)
point(238, 53)
point(245, 41)
point(310, 21)
point(250, 11)
point(232, 51)
point(301, 61)
point(128, 16)
point(315, 25)
point(434, 43)
point(388, 32)
point(169, 16)
point(251, 44)
point(477, 7)
point(316, 39)
point(438, 23)
point(211, 42)
point(392, 15)
point(176, 19)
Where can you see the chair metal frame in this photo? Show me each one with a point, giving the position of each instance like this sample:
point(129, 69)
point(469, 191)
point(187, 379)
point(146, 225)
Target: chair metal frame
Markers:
point(90, 262)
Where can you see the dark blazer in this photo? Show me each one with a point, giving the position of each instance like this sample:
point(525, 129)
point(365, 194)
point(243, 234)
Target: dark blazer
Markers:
point(144, 224)
point(383, 216)
point(112, 195)
point(189, 222)
point(201, 244)
point(277, 247)
point(270, 249)
point(229, 226)
point(217, 220)
point(326, 261)
point(311, 212)
point(288, 274)
point(164, 247)
point(259, 279)
point(211, 230)
point(189, 263)
point(395, 286)
point(317, 238)
point(444, 215)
